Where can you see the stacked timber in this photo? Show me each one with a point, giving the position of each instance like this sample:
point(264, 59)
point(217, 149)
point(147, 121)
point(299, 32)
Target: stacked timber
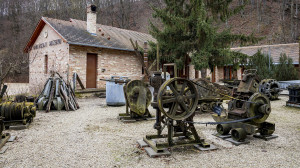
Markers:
point(57, 95)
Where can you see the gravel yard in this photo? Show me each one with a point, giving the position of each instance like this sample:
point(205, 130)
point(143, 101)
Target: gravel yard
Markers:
point(93, 137)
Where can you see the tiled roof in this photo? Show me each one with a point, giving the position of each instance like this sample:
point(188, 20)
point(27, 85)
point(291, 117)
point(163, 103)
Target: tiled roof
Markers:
point(291, 50)
point(75, 33)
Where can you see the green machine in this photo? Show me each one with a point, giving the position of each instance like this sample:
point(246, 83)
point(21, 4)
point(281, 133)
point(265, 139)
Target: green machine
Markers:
point(16, 113)
point(4, 136)
point(138, 98)
point(249, 107)
point(176, 101)
point(210, 95)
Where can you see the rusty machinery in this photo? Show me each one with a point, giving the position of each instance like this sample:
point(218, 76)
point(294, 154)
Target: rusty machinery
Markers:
point(249, 107)
point(4, 136)
point(270, 88)
point(138, 98)
point(294, 95)
point(57, 94)
point(175, 102)
point(209, 94)
point(17, 113)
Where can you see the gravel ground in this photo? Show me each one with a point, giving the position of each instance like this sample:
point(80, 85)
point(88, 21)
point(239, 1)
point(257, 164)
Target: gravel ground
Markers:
point(93, 137)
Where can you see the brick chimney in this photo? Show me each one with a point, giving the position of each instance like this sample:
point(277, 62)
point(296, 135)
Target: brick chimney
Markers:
point(91, 19)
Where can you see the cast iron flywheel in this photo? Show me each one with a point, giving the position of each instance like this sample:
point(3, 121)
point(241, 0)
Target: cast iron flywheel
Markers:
point(177, 98)
point(260, 106)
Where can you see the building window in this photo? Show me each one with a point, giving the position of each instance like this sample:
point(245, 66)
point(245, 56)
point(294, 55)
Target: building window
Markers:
point(46, 64)
point(143, 71)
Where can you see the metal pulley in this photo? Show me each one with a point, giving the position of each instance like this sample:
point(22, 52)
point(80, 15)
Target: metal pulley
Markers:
point(259, 104)
point(180, 102)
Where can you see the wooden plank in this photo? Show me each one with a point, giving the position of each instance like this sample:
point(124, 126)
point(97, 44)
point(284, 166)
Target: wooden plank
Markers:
point(74, 97)
point(62, 97)
point(51, 96)
point(135, 47)
point(65, 97)
point(80, 82)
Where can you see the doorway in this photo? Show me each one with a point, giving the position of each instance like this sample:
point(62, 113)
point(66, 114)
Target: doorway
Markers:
point(91, 71)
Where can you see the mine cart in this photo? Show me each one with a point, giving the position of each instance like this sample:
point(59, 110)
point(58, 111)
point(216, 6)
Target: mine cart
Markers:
point(250, 108)
point(294, 96)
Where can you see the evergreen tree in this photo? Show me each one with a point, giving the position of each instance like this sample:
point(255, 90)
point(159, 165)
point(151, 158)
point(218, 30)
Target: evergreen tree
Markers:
point(190, 28)
point(263, 64)
point(285, 70)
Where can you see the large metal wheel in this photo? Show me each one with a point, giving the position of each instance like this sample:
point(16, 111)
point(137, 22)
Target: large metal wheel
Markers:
point(177, 98)
point(260, 106)
point(270, 88)
point(138, 96)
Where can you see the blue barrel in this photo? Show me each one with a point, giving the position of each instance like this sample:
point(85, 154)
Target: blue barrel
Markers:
point(114, 91)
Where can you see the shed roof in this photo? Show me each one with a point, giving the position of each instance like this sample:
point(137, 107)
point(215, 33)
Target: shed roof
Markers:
point(75, 32)
point(291, 50)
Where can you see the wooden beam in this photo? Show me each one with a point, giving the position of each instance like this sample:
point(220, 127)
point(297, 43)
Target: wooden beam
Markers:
point(135, 47)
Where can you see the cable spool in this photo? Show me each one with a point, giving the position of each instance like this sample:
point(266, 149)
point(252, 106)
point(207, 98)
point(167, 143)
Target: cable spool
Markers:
point(14, 112)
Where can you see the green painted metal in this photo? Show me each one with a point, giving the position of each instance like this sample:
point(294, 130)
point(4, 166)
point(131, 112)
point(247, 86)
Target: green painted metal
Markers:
point(210, 94)
point(177, 100)
point(247, 102)
point(3, 136)
point(17, 113)
point(138, 98)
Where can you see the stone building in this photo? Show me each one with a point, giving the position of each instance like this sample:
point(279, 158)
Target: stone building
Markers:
point(91, 50)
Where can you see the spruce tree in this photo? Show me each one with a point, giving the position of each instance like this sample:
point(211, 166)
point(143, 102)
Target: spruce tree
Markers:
point(285, 70)
point(263, 64)
point(190, 28)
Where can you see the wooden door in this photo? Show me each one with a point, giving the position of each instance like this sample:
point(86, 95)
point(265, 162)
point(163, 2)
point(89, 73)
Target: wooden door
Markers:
point(91, 71)
point(214, 75)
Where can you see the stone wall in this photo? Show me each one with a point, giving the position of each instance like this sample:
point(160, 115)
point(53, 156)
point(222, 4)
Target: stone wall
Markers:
point(220, 73)
point(51, 44)
point(109, 63)
point(17, 88)
point(192, 72)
